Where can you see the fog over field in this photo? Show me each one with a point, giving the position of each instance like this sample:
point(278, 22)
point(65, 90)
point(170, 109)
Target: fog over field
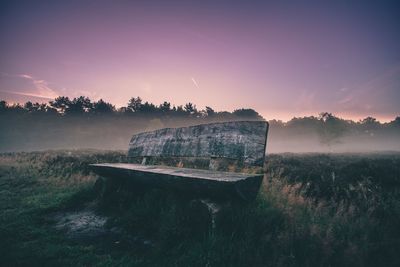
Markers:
point(285, 140)
point(80, 123)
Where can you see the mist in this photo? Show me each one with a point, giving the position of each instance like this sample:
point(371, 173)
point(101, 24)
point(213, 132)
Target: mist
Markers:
point(280, 141)
point(81, 124)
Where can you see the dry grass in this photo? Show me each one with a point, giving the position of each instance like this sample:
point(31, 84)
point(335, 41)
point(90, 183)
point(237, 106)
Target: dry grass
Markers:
point(313, 210)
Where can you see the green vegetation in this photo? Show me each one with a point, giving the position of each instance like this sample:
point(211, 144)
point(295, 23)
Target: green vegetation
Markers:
point(82, 123)
point(313, 210)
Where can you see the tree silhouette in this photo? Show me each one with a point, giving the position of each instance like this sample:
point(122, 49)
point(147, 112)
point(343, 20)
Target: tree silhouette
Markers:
point(79, 105)
point(36, 107)
point(165, 107)
point(102, 107)
point(332, 128)
point(3, 106)
point(134, 104)
point(190, 108)
point(61, 104)
point(15, 108)
point(209, 112)
point(29, 106)
point(148, 108)
point(180, 109)
point(328, 127)
point(370, 122)
point(247, 113)
point(397, 121)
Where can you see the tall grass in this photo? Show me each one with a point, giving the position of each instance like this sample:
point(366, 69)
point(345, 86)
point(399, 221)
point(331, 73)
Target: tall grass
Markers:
point(312, 210)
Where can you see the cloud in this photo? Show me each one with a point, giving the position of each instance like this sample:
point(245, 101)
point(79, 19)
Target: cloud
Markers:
point(195, 83)
point(30, 86)
point(26, 76)
point(42, 88)
point(377, 93)
point(346, 99)
point(28, 94)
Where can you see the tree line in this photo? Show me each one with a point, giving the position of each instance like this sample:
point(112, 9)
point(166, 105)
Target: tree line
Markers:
point(64, 106)
point(82, 105)
point(81, 122)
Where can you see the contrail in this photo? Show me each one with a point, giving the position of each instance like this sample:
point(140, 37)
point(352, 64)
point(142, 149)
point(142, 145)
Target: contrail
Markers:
point(42, 88)
point(29, 94)
point(195, 83)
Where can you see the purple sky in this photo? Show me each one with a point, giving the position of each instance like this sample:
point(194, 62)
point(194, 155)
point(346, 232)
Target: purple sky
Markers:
point(282, 59)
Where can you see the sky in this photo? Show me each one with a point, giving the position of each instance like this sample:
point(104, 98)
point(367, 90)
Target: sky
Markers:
point(281, 58)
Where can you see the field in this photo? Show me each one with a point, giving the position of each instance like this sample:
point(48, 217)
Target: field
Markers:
point(313, 210)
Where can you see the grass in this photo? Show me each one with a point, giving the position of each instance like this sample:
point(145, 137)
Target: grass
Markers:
point(312, 210)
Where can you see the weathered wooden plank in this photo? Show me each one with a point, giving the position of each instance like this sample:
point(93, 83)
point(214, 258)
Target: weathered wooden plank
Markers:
point(194, 182)
point(184, 172)
point(243, 140)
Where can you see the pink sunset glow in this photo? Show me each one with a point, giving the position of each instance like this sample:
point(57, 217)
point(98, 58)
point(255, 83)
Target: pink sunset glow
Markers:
point(283, 60)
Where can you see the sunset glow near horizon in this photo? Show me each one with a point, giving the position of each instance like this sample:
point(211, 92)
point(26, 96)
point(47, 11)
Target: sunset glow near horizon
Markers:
point(282, 59)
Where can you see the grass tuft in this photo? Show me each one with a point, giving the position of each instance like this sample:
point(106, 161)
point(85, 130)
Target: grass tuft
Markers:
point(312, 210)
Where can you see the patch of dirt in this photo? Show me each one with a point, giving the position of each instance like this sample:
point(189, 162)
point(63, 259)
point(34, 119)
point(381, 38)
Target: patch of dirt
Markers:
point(88, 227)
point(81, 224)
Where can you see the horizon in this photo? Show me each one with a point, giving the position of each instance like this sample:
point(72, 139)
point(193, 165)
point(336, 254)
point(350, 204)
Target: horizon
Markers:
point(283, 60)
point(10, 104)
